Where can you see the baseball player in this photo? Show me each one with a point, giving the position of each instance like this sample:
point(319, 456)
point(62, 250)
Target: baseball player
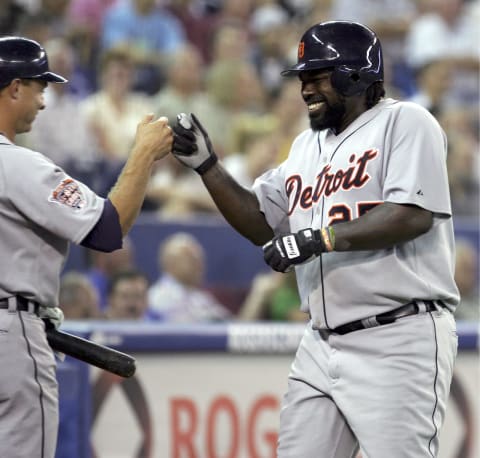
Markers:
point(42, 209)
point(361, 210)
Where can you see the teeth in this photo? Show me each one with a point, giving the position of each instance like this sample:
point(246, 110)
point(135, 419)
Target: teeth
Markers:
point(314, 106)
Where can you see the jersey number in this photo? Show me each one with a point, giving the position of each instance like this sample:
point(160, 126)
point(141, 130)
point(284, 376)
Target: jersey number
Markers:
point(342, 212)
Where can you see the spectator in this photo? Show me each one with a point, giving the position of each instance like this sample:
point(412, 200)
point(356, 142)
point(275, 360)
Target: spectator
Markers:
point(260, 154)
point(462, 162)
point(45, 20)
point(52, 14)
point(237, 11)
point(286, 118)
point(247, 127)
point(178, 295)
point(285, 301)
point(198, 23)
point(34, 25)
point(183, 90)
point(233, 89)
point(273, 297)
point(89, 14)
point(432, 85)
point(269, 54)
point(78, 297)
point(112, 111)
point(461, 121)
point(10, 13)
point(232, 28)
point(127, 296)
point(174, 191)
point(288, 111)
point(466, 277)
point(150, 33)
point(230, 42)
point(103, 266)
point(449, 31)
point(85, 18)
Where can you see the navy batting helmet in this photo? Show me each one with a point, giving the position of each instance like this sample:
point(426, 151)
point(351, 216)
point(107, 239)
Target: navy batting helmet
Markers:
point(24, 58)
point(351, 49)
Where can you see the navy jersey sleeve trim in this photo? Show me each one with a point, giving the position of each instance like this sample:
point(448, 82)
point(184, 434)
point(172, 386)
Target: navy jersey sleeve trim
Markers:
point(106, 235)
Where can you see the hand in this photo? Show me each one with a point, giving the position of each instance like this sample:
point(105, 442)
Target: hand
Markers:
point(53, 315)
point(155, 137)
point(192, 146)
point(283, 252)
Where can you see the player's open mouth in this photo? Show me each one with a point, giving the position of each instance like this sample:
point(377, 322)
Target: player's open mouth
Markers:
point(312, 107)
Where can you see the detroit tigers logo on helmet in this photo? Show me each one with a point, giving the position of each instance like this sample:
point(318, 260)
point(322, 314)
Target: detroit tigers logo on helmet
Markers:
point(301, 49)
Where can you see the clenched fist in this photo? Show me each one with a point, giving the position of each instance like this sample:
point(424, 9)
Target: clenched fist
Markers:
point(283, 252)
point(154, 136)
point(192, 146)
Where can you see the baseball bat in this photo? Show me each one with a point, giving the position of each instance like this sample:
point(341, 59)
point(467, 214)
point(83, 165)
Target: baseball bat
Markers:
point(105, 358)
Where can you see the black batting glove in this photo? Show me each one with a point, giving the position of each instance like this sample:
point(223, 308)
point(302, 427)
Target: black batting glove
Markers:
point(283, 252)
point(191, 144)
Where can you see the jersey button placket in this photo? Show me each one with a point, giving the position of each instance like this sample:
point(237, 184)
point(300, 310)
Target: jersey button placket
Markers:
point(333, 364)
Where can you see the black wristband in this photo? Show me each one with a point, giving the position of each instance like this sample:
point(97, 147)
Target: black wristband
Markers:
point(207, 165)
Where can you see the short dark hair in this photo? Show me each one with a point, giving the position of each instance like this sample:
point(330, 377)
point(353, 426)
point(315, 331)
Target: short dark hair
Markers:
point(129, 274)
point(24, 81)
point(118, 54)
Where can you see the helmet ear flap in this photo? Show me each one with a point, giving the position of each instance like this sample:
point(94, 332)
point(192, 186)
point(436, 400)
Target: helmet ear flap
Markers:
point(347, 81)
point(355, 77)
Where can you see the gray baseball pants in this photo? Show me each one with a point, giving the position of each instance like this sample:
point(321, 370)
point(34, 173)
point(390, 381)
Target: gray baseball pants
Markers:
point(28, 387)
point(384, 389)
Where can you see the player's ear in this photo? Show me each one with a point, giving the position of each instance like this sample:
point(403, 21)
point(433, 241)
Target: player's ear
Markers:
point(13, 88)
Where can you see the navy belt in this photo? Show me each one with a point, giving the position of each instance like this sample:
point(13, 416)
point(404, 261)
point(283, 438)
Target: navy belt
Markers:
point(23, 305)
point(412, 308)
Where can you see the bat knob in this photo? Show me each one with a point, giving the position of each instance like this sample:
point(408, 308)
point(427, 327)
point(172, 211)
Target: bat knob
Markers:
point(122, 364)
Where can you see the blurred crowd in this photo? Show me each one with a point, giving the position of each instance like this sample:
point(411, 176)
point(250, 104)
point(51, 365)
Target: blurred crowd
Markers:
point(221, 59)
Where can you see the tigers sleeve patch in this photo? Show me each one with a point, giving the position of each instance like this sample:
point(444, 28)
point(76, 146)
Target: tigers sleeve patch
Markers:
point(68, 193)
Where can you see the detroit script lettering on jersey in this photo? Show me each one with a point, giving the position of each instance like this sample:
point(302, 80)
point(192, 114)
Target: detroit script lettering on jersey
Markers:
point(329, 182)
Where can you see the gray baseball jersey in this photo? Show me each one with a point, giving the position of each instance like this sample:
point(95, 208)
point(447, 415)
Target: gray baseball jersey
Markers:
point(42, 210)
point(328, 178)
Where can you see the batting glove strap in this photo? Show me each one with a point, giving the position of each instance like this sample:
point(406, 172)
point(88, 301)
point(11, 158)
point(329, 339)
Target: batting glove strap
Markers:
point(207, 165)
point(283, 252)
point(191, 144)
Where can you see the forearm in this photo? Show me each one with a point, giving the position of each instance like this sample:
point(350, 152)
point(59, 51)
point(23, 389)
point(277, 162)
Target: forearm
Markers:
point(129, 191)
point(383, 227)
point(239, 205)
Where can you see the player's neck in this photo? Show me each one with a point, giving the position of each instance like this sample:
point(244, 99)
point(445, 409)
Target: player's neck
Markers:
point(9, 133)
point(349, 118)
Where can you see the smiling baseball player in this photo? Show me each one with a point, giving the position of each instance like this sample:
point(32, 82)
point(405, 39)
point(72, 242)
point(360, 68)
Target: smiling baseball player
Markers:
point(361, 210)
